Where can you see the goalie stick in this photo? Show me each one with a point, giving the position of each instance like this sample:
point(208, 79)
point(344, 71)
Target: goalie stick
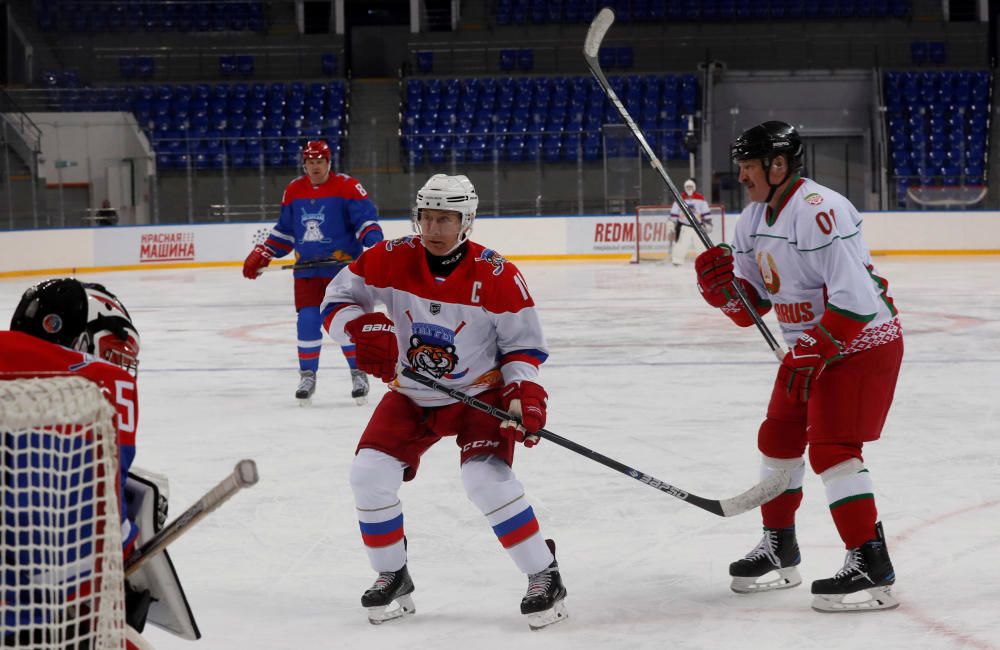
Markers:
point(591, 45)
point(305, 265)
point(243, 476)
point(759, 494)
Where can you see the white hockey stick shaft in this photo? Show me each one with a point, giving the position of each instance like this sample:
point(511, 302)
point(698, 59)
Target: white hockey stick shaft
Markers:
point(591, 46)
point(243, 476)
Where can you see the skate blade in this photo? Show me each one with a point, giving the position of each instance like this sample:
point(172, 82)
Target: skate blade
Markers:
point(554, 614)
point(877, 598)
point(779, 579)
point(360, 400)
point(304, 401)
point(403, 607)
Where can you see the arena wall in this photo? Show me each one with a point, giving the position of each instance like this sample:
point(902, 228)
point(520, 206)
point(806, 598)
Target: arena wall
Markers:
point(611, 237)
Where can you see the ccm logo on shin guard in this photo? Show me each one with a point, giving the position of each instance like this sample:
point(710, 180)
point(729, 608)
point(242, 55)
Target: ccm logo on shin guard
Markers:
point(480, 444)
point(378, 327)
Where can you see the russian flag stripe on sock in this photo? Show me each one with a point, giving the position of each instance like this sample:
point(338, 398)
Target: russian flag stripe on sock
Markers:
point(517, 529)
point(382, 533)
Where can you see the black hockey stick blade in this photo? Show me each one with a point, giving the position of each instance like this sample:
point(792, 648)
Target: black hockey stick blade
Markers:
point(305, 265)
point(756, 496)
point(591, 46)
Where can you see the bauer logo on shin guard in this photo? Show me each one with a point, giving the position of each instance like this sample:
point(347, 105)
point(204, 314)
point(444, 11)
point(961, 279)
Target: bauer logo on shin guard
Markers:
point(378, 327)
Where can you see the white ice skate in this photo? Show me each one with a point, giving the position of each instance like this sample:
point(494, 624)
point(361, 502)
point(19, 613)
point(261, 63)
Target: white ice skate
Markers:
point(307, 386)
point(359, 387)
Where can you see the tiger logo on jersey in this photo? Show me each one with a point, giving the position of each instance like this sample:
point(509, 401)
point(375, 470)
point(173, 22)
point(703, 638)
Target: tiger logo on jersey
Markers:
point(432, 351)
point(769, 272)
point(399, 241)
point(494, 258)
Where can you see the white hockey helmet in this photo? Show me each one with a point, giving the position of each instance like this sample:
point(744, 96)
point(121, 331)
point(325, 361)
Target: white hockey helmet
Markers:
point(690, 187)
point(443, 192)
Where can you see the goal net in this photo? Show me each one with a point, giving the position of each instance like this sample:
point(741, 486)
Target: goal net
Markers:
point(62, 577)
point(654, 232)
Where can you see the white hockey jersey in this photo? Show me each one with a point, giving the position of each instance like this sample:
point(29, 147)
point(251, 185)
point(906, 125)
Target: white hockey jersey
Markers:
point(809, 256)
point(473, 330)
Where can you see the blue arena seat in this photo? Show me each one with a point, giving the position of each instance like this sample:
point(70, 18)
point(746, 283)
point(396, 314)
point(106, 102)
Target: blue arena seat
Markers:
point(508, 58)
point(425, 61)
point(526, 59)
point(328, 63)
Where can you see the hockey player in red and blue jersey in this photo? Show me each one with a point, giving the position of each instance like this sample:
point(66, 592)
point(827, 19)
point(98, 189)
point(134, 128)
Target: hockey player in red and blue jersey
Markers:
point(462, 314)
point(324, 217)
point(66, 327)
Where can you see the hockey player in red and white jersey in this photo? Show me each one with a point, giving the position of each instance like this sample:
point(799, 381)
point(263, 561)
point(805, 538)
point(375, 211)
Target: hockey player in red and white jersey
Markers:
point(798, 249)
point(67, 327)
point(462, 314)
point(685, 238)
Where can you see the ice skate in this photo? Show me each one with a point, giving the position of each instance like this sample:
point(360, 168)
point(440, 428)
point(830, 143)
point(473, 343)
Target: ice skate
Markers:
point(390, 588)
point(359, 389)
point(307, 386)
point(769, 566)
point(863, 584)
point(543, 603)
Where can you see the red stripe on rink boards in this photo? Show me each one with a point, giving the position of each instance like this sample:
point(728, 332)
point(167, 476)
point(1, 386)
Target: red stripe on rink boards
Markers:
point(515, 537)
point(386, 539)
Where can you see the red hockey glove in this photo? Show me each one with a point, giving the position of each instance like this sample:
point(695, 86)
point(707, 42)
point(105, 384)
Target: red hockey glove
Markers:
point(526, 401)
point(258, 258)
point(715, 275)
point(376, 350)
point(805, 362)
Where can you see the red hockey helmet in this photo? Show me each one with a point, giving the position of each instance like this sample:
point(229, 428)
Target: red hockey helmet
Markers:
point(316, 149)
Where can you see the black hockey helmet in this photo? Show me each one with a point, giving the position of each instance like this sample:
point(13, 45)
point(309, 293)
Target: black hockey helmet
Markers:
point(83, 316)
point(767, 140)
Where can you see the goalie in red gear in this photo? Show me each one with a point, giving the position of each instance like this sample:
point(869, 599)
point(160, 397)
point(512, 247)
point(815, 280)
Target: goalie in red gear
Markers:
point(461, 313)
point(799, 251)
point(325, 217)
point(67, 327)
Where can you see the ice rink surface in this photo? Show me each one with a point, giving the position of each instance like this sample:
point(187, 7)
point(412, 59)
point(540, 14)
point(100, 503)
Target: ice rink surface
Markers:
point(641, 370)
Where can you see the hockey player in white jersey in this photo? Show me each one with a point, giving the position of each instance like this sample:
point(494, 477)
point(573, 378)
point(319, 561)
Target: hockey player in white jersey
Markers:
point(798, 248)
point(685, 238)
point(461, 314)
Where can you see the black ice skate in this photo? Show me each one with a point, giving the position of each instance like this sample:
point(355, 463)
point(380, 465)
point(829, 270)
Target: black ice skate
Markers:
point(543, 603)
point(863, 584)
point(359, 387)
point(391, 587)
point(774, 559)
point(307, 386)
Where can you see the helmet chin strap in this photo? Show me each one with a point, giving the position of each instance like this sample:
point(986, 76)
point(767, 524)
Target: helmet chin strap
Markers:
point(767, 176)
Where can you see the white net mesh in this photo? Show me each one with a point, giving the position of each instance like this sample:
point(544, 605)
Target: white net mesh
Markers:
point(62, 574)
point(654, 231)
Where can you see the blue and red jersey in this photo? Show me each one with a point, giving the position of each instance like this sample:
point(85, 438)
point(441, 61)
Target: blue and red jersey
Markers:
point(334, 220)
point(23, 355)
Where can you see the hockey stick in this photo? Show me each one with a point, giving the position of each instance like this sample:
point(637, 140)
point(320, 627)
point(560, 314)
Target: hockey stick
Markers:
point(243, 476)
point(759, 494)
point(591, 44)
point(305, 265)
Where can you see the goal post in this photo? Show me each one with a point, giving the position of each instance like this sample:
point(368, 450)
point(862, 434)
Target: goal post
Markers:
point(654, 231)
point(62, 574)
